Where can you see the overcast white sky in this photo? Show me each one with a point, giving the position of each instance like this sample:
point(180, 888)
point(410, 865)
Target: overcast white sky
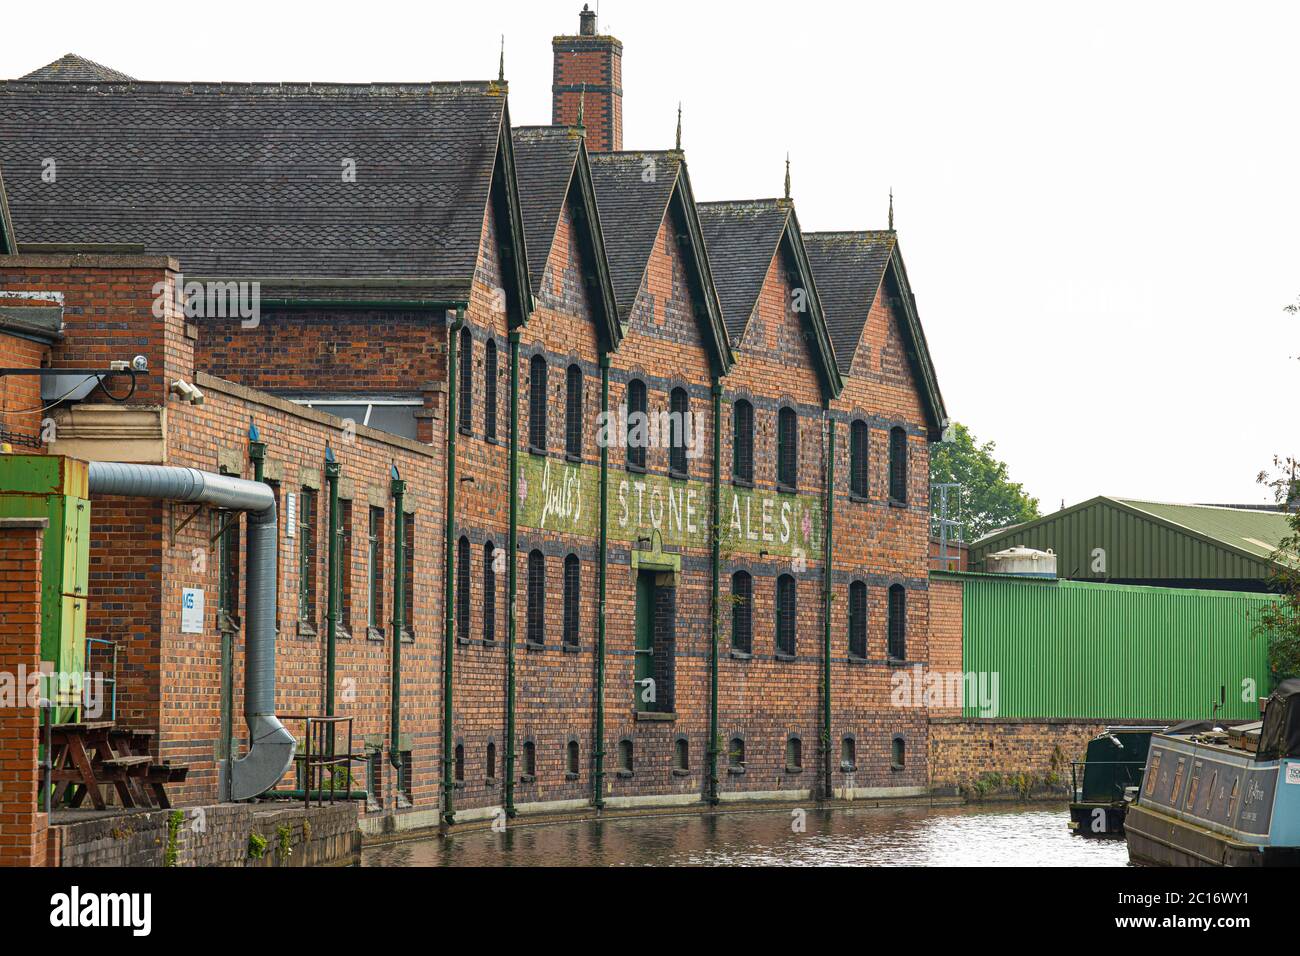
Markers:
point(1098, 203)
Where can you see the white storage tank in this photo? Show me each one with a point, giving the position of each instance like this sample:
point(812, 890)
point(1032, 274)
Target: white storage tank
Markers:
point(1023, 562)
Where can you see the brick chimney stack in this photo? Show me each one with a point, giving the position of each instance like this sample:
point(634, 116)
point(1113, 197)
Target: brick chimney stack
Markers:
point(589, 70)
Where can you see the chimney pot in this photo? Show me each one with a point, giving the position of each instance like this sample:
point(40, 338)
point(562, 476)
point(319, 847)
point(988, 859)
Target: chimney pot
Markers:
point(587, 22)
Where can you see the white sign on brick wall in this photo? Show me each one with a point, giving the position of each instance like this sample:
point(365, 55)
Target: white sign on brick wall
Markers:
point(192, 611)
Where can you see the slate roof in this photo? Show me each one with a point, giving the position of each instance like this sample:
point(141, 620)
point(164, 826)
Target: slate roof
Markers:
point(849, 267)
point(246, 179)
point(742, 238)
point(545, 157)
point(71, 68)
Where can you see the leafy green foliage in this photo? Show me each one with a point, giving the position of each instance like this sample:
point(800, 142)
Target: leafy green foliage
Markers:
point(989, 499)
point(1281, 622)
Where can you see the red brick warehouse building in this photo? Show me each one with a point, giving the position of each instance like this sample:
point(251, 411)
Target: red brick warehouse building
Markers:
point(585, 621)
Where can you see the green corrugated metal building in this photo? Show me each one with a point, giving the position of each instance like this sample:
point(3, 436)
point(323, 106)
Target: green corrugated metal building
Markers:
point(1112, 652)
point(1125, 541)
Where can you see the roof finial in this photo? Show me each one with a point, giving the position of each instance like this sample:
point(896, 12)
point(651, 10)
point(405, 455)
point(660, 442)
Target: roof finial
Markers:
point(582, 107)
point(891, 208)
point(787, 175)
point(679, 126)
point(501, 70)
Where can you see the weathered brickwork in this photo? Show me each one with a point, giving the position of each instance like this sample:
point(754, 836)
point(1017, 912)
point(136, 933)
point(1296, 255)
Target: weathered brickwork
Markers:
point(20, 395)
point(22, 824)
point(1011, 754)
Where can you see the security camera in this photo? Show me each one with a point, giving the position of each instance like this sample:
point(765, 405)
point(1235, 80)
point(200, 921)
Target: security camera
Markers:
point(186, 392)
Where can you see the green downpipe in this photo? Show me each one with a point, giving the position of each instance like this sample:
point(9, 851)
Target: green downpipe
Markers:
point(332, 471)
point(398, 488)
point(827, 572)
point(598, 777)
point(512, 550)
point(449, 563)
point(715, 535)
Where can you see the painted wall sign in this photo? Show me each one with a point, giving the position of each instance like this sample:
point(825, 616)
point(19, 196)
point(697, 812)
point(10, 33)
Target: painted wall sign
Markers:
point(559, 496)
point(192, 611)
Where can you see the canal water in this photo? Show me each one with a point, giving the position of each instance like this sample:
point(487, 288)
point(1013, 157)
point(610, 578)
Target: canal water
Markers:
point(988, 835)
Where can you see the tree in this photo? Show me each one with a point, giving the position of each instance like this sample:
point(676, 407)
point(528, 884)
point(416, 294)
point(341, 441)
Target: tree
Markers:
point(1280, 623)
point(988, 500)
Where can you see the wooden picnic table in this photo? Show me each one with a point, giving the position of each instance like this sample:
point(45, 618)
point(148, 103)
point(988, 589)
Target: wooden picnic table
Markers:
point(87, 755)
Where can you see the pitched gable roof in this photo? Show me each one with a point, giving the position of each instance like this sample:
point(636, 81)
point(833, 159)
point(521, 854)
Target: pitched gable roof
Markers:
point(851, 268)
point(636, 191)
point(552, 167)
point(252, 180)
point(743, 238)
point(71, 68)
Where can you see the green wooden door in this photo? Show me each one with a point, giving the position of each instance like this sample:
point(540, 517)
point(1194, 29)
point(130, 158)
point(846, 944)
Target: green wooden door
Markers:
point(645, 642)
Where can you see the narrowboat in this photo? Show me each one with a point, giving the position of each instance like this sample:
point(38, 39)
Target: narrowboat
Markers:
point(1112, 764)
point(1222, 797)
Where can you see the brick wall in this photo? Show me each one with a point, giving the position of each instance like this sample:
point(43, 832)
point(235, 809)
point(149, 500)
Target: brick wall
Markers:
point(20, 395)
point(1036, 752)
point(22, 826)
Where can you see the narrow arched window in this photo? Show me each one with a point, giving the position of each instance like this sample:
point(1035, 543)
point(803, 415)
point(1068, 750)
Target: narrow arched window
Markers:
point(898, 465)
point(530, 759)
point(848, 755)
point(898, 622)
point(491, 760)
point(859, 479)
point(793, 754)
point(625, 759)
point(489, 594)
point(679, 432)
point(536, 598)
point(460, 763)
point(742, 612)
point(638, 425)
point(787, 448)
point(490, 373)
point(462, 591)
point(736, 753)
point(858, 620)
point(572, 592)
point(898, 754)
point(573, 412)
point(682, 754)
point(787, 612)
point(742, 442)
point(537, 405)
point(465, 414)
point(574, 758)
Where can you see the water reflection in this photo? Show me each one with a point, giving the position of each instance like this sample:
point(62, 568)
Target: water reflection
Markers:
point(911, 836)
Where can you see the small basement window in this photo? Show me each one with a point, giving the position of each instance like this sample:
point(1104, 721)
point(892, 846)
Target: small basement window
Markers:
point(848, 755)
point(898, 759)
point(793, 755)
point(574, 760)
point(530, 761)
point(625, 757)
point(736, 755)
point(682, 754)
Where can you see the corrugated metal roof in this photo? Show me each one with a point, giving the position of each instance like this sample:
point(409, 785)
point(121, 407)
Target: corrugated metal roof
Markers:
point(1130, 540)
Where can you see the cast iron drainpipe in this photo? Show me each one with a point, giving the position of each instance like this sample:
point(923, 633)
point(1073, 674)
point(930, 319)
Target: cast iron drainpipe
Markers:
point(828, 532)
point(715, 533)
point(512, 574)
point(332, 471)
point(272, 747)
point(398, 488)
point(449, 573)
point(598, 777)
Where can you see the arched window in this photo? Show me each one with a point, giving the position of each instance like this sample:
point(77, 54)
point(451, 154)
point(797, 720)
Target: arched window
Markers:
point(736, 753)
point(787, 448)
point(489, 594)
point(679, 403)
point(637, 425)
point(859, 479)
point(898, 753)
point(682, 754)
point(536, 598)
point(787, 612)
point(491, 760)
point(490, 373)
point(573, 758)
point(858, 620)
point(537, 405)
point(462, 591)
point(465, 414)
point(530, 759)
point(573, 412)
point(460, 763)
point(572, 578)
point(848, 755)
point(898, 622)
point(742, 442)
point(898, 465)
point(625, 763)
point(742, 612)
point(793, 753)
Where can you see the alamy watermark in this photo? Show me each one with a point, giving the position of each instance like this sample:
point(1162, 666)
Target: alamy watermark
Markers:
point(620, 428)
point(28, 688)
point(211, 300)
point(917, 687)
